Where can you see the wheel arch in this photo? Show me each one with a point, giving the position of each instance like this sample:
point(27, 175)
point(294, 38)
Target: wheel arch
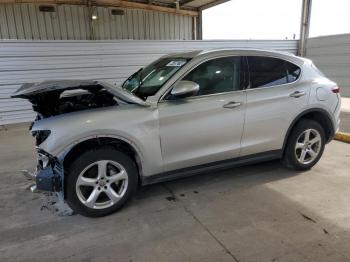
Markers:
point(117, 143)
point(318, 114)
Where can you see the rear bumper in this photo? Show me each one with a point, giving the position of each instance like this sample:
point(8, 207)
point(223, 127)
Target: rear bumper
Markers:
point(335, 117)
point(336, 114)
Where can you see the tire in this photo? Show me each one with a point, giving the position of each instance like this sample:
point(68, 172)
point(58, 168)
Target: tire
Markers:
point(297, 147)
point(100, 182)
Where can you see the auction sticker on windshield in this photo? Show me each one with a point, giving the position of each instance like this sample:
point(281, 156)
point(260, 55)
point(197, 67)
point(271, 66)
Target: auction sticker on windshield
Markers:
point(176, 63)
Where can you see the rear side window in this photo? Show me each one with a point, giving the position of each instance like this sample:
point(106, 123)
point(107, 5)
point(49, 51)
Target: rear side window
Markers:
point(269, 71)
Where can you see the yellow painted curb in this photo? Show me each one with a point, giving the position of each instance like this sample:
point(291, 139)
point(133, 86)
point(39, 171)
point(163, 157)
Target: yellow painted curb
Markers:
point(344, 137)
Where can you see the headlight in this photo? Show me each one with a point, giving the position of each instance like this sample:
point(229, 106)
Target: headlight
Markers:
point(40, 136)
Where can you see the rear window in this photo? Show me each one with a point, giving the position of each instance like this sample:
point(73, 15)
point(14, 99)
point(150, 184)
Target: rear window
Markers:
point(269, 71)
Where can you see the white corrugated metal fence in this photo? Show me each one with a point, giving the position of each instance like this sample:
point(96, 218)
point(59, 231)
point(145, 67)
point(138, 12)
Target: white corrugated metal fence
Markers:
point(112, 61)
point(331, 54)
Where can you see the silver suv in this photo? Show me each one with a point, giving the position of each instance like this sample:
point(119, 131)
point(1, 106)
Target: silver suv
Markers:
point(183, 114)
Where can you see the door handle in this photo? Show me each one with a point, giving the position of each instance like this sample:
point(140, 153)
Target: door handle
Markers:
point(232, 104)
point(297, 94)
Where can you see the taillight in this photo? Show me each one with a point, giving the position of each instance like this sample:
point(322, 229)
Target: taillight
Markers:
point(336, 89)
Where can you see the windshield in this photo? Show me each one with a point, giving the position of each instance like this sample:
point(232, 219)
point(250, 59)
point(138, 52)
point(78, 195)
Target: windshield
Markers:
point(147, 81)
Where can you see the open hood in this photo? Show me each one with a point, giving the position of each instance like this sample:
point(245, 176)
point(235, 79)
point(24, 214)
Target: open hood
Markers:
point(30, 90)
point(51, 98)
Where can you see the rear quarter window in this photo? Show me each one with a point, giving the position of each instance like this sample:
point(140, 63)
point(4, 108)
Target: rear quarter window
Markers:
point(269, 71)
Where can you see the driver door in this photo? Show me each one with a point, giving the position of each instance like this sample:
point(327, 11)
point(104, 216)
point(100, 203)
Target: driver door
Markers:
point(207, 127)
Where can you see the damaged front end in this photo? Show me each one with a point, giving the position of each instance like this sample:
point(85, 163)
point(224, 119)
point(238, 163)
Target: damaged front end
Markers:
point(53, 98)
point(49, 172)
point(57, 97)
point(49, 180)
point(48, 175)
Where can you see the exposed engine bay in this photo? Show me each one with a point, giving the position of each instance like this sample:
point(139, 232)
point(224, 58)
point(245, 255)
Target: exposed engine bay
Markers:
point(60, 102)
point(51, 98)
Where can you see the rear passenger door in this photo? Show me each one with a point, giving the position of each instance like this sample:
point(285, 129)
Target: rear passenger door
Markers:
point(274, 99)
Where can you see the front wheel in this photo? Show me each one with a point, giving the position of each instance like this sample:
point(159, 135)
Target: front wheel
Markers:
point(100, 181)
point(305, 145)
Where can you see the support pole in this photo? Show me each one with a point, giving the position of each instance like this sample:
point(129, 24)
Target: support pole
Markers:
point(194, 26)
point(304, 26)
point(199, 25)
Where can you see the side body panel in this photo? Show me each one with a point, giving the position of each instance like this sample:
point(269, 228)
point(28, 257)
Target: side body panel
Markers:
point(200, 130)
point(322, 96)
point(270, 112)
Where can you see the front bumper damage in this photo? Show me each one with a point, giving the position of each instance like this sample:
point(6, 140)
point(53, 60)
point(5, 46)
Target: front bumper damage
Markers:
point(49, 173)
point(48, 179)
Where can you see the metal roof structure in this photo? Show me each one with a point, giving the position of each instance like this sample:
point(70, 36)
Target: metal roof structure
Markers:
point(191, 8)
point(184, 7)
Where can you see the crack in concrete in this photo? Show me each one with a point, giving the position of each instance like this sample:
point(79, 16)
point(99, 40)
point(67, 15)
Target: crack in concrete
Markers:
point(313, 221)
point(227, 251)
point(308, 218)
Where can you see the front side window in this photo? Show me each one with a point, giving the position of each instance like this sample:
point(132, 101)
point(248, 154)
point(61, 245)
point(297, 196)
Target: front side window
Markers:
point(217, 75)
point(147, 81)
point(269, 71)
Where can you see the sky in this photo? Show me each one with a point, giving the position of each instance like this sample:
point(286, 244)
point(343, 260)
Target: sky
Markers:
point(274, 19)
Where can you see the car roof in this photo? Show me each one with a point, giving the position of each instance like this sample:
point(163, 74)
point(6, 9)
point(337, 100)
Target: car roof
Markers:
point(240, 51)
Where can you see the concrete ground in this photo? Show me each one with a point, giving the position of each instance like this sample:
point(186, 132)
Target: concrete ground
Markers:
point(255, 213)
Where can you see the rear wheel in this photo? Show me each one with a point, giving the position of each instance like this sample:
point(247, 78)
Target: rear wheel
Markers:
point(305, 145)
point(100, 181)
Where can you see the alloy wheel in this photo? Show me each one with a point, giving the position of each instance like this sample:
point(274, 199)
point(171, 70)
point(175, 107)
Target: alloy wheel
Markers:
point(308, 146)
point(102, 184)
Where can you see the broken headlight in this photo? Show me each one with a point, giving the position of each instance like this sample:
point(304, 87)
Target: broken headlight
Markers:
point(43, 160)
point(40, 136)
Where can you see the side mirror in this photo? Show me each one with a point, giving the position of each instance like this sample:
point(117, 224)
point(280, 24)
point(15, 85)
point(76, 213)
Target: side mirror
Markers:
point(184, 89)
